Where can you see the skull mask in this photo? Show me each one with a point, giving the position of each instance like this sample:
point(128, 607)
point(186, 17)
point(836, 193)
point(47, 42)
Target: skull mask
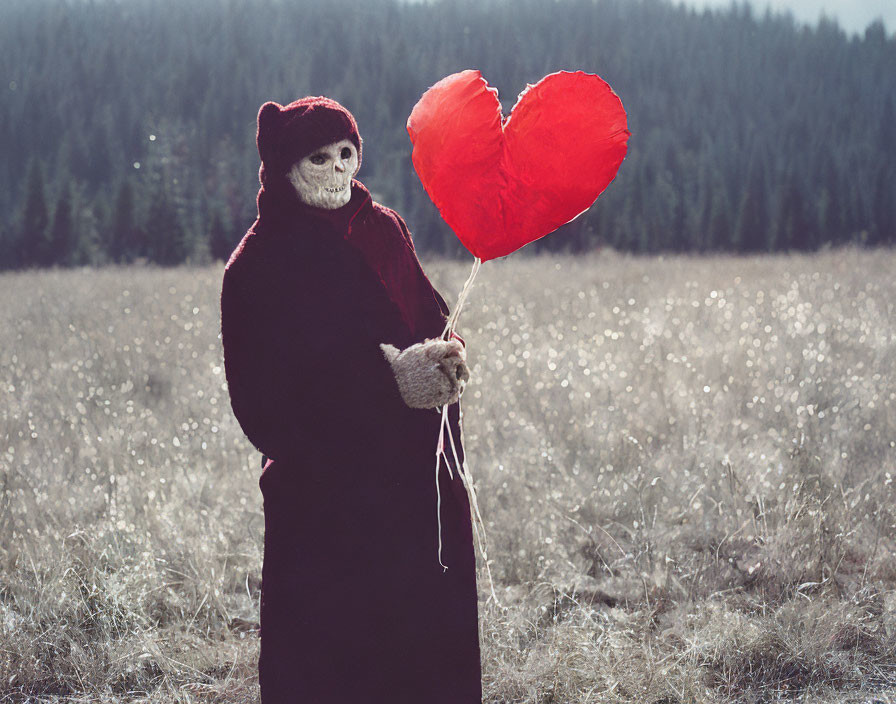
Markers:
point(323, 179)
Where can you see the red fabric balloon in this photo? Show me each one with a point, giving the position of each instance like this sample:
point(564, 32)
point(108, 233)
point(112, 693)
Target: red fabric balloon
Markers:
point(500, 184)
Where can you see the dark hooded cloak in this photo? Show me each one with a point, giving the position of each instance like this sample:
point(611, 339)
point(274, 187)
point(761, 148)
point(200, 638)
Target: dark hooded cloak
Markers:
point(355, 607)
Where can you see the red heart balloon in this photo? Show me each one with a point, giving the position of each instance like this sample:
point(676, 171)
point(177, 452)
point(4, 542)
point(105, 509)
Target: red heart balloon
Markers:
point(500, 184)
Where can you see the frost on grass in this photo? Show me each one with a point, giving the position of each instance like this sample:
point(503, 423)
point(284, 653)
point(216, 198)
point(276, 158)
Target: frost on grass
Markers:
point(685, 468)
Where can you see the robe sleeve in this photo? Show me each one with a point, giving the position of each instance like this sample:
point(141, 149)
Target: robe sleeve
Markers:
point(443, 307)
point(302, 355)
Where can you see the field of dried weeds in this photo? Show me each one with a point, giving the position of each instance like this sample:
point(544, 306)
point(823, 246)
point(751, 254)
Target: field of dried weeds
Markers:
point(685, 467)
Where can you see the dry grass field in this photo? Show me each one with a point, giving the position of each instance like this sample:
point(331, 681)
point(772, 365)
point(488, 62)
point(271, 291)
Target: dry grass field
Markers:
point(685, 466)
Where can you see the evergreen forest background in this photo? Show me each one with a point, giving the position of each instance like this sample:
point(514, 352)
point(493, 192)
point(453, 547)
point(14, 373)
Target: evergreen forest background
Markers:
point(127, 128)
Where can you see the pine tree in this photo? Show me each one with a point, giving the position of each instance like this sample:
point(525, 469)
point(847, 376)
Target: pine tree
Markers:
point(887, 131)
point(792, 228)
point(219, 243)
point(750, 228)
point(831, 216)
point(718, 229)
point(169, 242)
point(750, 232)
point(62, 235)
point(88, 249)
point(33, 238)
point(8, 258)
point(122, 244)
point(883, 207)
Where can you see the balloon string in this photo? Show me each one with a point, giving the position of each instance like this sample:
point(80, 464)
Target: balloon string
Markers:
point(463, 468)
point(451, 323)
point(440, 450)
point(475, 515)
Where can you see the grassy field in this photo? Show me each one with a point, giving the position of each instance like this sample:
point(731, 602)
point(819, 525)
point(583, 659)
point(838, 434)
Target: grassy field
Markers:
point(685, 467)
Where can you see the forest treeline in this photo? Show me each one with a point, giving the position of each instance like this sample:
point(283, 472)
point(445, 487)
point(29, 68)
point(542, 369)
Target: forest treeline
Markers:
point(127, 128)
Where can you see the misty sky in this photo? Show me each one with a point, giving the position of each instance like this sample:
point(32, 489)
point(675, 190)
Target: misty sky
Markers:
point(853, 15)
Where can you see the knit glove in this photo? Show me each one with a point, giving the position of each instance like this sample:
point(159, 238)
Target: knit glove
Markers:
point(429, 374)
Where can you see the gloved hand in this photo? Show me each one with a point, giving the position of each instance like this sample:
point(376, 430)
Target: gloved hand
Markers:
point(429, 374)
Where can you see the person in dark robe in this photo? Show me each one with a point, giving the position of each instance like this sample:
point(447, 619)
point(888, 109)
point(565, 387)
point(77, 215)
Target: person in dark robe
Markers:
point(356, 606)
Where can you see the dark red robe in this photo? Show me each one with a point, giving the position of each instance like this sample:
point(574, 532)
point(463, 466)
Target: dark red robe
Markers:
point(355, 607)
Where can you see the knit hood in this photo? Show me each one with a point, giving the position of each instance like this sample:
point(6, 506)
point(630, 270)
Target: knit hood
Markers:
point(288, 134)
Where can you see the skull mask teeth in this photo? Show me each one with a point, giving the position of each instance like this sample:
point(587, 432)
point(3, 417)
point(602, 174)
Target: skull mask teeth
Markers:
point(323, 179)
